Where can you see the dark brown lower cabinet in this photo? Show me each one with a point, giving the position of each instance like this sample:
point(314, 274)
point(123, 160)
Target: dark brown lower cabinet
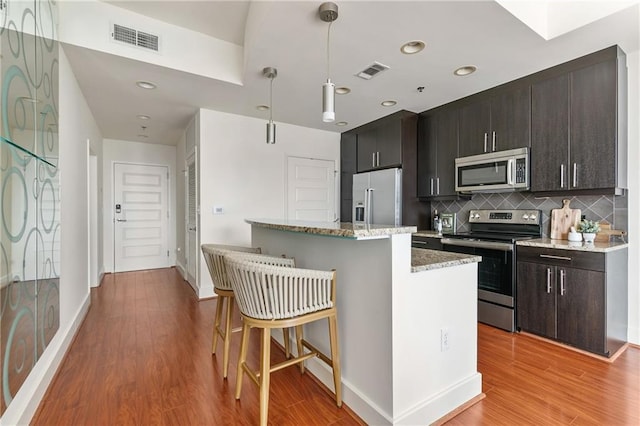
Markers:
point(575, 297)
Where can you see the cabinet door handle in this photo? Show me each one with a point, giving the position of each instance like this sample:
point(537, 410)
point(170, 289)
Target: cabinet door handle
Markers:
point(562, 275)
point(431, 186)
point(378, 159)
point(437, 186)
point(548, 280)
point(575, 175)
point(121, 220)
point(562, 175)
point(550, 256)
point(373, 159)
point(493, 140)
point(486, 137)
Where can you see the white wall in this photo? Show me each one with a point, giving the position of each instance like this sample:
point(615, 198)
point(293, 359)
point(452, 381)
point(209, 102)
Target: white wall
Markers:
point(117, 151)
point(76, 124)
point(88, 23)
point(245, 176)
point(633, 68)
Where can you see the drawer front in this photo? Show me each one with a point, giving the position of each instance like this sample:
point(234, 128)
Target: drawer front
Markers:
point(569, 258)
point(426, 243)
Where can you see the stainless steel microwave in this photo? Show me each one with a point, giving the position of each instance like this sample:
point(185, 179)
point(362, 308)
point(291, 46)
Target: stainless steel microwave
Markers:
point(500, 171)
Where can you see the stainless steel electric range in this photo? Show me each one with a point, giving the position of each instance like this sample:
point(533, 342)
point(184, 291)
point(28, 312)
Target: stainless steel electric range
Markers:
point(493, 235)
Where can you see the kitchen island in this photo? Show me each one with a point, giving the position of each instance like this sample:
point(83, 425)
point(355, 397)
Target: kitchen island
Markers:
point(406, 317)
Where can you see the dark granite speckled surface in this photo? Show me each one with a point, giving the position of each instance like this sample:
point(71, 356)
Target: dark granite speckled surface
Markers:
point(600, 247)
point(335, 229)
point(425, 259)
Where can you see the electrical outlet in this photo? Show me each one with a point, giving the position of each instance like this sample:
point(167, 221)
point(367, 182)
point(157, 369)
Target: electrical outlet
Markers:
point(218, 210)
point(444, 339)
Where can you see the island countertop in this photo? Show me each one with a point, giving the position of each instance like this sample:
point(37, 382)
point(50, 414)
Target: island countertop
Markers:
point(354, 231)
point(425, 259)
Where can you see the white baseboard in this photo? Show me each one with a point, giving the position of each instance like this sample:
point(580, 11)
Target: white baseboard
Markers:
point(182, 270)
point(443, 403)
point(426, 412)
point(28, 398)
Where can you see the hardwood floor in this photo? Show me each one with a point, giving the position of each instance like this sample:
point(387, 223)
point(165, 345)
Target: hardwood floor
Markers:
point(143, 356)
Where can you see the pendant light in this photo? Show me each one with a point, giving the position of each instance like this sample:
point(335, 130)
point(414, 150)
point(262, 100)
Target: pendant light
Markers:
point(270, 73)
point(328, 13)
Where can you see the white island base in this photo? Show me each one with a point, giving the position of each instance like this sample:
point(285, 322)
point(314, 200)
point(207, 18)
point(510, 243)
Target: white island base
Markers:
point(407, 334)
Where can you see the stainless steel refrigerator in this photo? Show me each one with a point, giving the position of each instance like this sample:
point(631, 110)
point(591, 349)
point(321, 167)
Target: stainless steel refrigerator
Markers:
point(377, 197)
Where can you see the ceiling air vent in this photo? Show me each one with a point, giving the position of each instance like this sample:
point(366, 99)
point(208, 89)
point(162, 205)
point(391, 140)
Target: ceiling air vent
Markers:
point(372, 70)
point(135, 38)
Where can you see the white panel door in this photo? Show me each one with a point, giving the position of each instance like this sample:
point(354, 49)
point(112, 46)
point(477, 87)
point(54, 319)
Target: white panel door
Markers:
point(193, 251)
point(141, 217)
point(311, 189)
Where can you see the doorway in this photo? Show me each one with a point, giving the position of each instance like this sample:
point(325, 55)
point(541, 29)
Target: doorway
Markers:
point(311, 189)
point(141, 211)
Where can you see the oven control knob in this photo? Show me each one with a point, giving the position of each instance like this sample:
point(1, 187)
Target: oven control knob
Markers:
point(476, 216)
point(525, 216)
point(533, 216)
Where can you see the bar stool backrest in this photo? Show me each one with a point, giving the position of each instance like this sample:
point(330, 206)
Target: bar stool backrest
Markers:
point(276, 292)
point(214, 256)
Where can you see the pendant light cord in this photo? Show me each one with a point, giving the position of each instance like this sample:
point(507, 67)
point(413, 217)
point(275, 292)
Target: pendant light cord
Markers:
point(329, 50)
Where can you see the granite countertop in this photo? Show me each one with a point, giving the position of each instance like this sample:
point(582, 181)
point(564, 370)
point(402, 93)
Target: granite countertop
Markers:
point(427, 233)
point(334, 229)
point(601, 247)
point(425, 259)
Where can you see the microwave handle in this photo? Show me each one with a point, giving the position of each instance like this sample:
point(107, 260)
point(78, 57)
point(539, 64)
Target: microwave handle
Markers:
point(510, 166)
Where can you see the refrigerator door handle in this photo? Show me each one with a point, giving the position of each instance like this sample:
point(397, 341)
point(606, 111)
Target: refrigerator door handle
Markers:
point(368, 202)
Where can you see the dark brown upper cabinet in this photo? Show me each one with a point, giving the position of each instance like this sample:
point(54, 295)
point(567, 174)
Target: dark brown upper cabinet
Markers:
point(495, 120)
point(578, 126)
point(380, 145)
point(348, 159)
point(437, 151)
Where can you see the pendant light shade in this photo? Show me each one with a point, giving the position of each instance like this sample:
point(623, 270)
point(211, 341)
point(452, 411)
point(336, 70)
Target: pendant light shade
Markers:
point(328, 12)
point(328, 102)
point(270, 73)
point(271, 132)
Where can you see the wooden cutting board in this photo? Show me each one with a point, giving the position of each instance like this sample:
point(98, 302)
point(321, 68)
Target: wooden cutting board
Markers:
point(606, 232)
point(562, 220)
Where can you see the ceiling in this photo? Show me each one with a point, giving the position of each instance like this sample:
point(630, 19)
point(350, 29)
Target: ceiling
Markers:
point(289, 35)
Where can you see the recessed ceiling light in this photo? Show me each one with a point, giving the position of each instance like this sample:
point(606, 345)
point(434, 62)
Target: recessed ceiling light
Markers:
point(262, 108)
point(411, 47)
point(143, 117)
point(388, 103)
point(466, 70)
point(341, 123)
point(342, 90)
point(145, 84)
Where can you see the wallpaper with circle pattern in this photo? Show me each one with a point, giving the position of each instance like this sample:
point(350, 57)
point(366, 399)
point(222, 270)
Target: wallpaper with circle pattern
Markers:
point(29, 189)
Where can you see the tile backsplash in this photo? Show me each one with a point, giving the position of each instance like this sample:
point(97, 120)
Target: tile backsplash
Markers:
point(611, 208)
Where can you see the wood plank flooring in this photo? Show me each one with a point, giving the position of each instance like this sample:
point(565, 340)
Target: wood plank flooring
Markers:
point(143, 356)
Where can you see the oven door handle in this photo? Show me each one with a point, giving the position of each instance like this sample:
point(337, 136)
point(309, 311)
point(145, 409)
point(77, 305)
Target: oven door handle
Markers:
point(491, 245)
